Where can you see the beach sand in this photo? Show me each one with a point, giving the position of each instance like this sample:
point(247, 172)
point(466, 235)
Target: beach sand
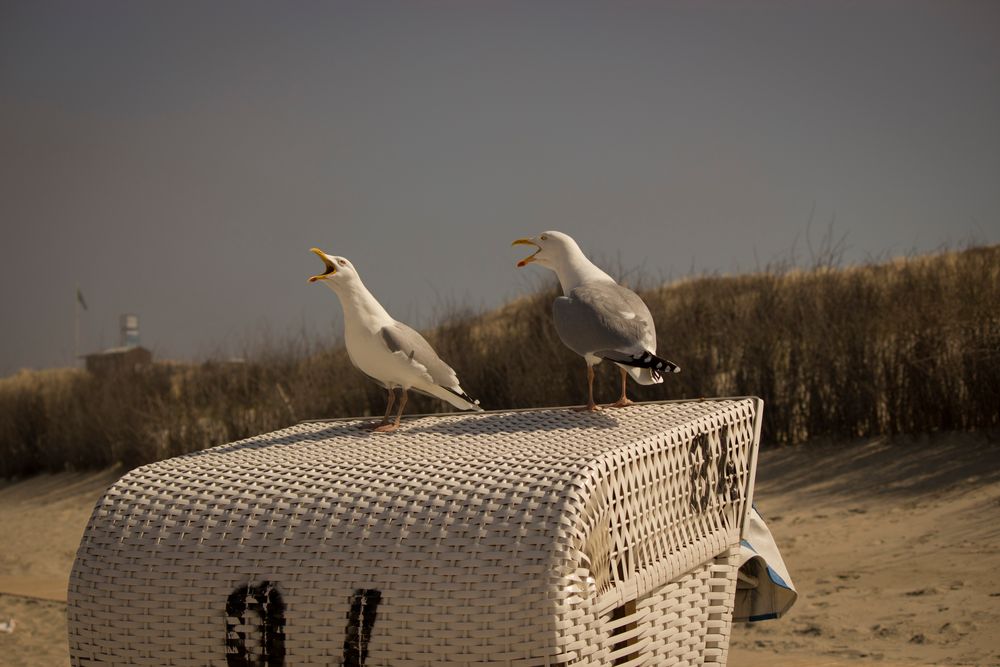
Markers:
point(893, 546)
point(41, 520)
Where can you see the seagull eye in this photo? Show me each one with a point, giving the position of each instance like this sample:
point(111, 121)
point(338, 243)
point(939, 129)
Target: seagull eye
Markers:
point(342, 263)
point(544, 237)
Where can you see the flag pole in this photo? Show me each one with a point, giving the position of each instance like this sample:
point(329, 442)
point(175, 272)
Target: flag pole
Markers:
point(76, 326)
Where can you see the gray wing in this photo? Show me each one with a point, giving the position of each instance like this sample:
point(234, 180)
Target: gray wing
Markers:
point(604, 317)
point(400, 338)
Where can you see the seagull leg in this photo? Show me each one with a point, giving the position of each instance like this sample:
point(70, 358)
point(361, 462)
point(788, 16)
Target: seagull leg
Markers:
point(388, 409)
point(590, 406)
point(389, 428)
point(623, 401)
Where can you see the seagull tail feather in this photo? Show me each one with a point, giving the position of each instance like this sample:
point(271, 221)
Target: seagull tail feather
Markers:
point(643, 375)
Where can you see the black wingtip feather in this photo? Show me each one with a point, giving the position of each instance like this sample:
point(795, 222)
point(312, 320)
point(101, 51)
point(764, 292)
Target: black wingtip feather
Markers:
point(657, 365)
point(461, 395)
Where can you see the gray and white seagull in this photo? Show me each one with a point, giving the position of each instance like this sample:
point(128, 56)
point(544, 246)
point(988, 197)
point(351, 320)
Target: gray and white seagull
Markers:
point(597, 318)
point(387, 351)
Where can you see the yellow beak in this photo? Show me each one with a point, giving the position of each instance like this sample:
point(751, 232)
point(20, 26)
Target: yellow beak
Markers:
point(530, 258)
point(330, 268)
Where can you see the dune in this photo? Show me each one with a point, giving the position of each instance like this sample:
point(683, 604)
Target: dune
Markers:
point(892, 545)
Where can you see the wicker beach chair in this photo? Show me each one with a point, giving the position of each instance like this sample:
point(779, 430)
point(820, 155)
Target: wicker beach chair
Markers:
point(516, 538)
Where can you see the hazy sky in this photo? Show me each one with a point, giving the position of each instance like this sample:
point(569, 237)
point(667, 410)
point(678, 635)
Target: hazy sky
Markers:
point(178, 159)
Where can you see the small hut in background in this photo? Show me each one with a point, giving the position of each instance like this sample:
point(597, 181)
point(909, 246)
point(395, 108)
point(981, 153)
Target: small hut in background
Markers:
point(129, 356)
point(118, 359)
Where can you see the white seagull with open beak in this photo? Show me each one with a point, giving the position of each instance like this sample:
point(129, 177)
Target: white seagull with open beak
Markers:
point(387, 351)
point(597, 318)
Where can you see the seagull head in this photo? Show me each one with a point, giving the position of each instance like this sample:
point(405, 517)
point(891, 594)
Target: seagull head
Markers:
point(338, 269)
point(553, 249)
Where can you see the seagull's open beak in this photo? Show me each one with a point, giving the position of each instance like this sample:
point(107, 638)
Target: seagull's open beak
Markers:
point(330, 268)
point(530, 258)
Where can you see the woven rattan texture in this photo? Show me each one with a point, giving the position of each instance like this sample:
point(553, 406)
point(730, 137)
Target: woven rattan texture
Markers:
point(527, 538)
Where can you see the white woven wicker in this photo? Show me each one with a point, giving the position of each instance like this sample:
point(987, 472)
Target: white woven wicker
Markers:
point(518, 538)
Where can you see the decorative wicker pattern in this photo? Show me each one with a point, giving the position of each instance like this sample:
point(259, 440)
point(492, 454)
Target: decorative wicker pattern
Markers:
point(515, 538)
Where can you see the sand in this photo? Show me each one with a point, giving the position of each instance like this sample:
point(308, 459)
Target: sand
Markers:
point(41, 520)
point(893, 546)
point(895, 551)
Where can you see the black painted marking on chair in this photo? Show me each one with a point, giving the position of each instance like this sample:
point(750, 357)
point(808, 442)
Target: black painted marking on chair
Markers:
point(728, 484)
point(360, 620)
point(255, 627)
point(700, 460)
point(625, 610)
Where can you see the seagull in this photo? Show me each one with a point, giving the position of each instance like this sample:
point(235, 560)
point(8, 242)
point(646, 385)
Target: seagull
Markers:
point(387, 351)
point(597, 318)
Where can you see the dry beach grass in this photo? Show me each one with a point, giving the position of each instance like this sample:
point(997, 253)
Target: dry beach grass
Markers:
point(909, 346)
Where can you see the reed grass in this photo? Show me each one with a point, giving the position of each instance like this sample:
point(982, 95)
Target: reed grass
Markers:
point(907, 346)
